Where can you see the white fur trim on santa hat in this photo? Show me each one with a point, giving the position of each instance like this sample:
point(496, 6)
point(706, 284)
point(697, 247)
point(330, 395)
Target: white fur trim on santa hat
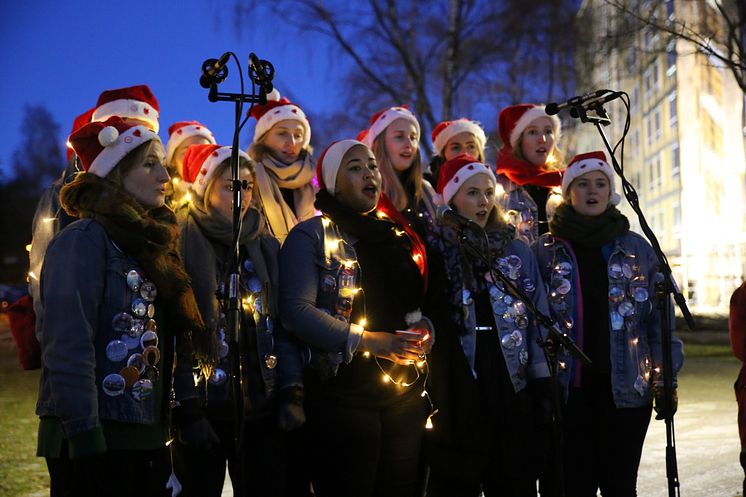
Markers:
point(463, 174)
point(282, 113)
point(181, 134)
point(210, 165)
point(525, 120)
point(128, 109)
point(456, 127)
point(332, 161)
point(115, 151)
point(579, 168)
point(386, 118)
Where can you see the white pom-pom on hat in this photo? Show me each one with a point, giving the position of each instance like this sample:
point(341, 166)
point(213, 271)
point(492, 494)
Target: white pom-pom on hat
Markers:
point(108, 136)
point(274, 95)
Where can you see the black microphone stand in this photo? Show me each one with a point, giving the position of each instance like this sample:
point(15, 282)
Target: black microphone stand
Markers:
point(663, 289)
point(233, 290)
point(555, 340)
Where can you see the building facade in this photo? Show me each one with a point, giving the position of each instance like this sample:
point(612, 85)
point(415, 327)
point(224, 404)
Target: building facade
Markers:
point(684, 152)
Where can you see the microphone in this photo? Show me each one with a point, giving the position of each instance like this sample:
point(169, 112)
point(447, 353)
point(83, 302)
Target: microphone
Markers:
point(448, 216)
point(214, 70)
point(554, 108)
point(593, 102)
point(261, 73)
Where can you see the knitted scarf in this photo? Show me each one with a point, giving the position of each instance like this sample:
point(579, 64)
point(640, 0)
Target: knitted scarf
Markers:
point(589, 231)
point(523, 173)
point(271, 175)
point(462, 267)
point(203, 229)
point(150, 237)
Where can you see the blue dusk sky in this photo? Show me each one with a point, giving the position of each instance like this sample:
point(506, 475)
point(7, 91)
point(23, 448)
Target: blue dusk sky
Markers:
point(62, 53)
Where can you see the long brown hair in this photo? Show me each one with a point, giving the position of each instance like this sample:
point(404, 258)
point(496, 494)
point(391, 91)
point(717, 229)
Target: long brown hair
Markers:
point(397, 189)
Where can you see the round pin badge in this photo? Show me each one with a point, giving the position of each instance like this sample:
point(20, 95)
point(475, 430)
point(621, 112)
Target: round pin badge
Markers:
point(130, 375)
point(134, 280)
point(131, 342)
point(255, 285)
point(138, 326)
point(149, 338)
point(640, 294)
point(148, 291)
point(528, 285)
point(116, 350)
point(248, 265)
point(626, 309)
point(517, 337)
point(328, 283)
point(563, 268)
point(507, 341)
point(122, 322)
point(142, 389)
point(270, 360)
point(113, 385)
point(151, 355)
point(135, 361)
point(151, 325)
point(139, 307)
point(218, 377)
point(150, 312)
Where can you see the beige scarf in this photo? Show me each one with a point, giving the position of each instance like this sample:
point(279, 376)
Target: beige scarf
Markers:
point(271, 175)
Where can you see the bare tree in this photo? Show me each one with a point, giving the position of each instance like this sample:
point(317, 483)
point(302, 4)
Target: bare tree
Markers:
point(444, 58)
point(714, 28)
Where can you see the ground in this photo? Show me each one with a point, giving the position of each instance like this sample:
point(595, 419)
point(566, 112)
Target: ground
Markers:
point(705, 427)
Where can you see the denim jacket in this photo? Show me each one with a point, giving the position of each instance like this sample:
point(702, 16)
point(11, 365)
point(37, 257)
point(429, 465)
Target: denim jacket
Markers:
point(516, 325)
point(635, 342)
point(84, 289)
point(316, 264)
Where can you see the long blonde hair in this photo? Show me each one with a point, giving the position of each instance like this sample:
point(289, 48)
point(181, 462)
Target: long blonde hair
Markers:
point(397, 189)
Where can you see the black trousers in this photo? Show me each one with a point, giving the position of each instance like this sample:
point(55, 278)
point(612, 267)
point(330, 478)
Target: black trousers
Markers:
point(366, 451)
point(202, 472)
point(117, 473)
point(603, 443)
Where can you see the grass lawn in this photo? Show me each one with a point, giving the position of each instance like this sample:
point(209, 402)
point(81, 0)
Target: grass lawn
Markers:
point(21, 472)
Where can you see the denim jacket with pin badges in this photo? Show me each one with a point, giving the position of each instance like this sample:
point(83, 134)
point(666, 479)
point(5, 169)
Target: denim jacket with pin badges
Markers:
point(102, 351)
point(516, 324)
point(635, 341)
point(319, 275)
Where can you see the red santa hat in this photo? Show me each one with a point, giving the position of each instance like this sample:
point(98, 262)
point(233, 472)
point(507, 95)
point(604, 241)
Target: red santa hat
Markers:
point(513, 120)
point(328, 164)
point(381, 119)
point(201, 161)
point(101, 145)
point(278, 109)
point(446, 130)
point(78, 123)
point(134, 102)
point(180, 131)
point(585, 163)
point(454, 172)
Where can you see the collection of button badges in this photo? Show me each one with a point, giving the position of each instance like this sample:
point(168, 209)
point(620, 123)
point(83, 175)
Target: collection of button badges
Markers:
point(628, 292)
point(253, 302)
point(136, 351)
point(515, 319)
point(525, 223)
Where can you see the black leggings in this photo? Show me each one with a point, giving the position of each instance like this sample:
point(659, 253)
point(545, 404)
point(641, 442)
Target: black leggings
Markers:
point(366, 451)
point(603, 443)
point(202, 472)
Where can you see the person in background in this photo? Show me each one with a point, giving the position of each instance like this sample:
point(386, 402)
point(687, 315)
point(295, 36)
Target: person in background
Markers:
point(529, 167)
point(116, 303)
point(453, 138)
point(284, 164)
point(490, 375)
point(135, 104)
point(206, 225)
point(352, 285)
point(181, 135)
point(394, 137)
point(600, 280)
